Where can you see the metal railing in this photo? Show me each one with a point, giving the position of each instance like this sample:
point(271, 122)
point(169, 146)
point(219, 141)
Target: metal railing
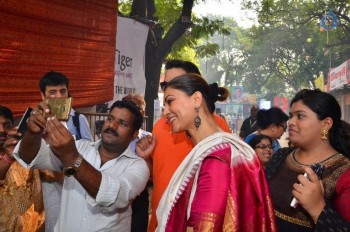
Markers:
point(96, 121)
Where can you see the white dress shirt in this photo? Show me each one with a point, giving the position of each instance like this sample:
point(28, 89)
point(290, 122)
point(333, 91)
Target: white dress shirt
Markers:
point(52, 191)
point(123, 178)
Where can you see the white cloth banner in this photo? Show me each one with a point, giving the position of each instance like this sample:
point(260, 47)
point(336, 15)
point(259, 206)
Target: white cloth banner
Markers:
point(129, 70)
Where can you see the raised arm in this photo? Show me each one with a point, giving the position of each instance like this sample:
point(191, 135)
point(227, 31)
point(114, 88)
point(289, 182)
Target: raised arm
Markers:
point(63, 146)
point(325, 216)
point(31, 140)
point(144, 148)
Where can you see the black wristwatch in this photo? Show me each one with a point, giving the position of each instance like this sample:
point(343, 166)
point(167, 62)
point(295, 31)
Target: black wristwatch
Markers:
point(72, 170)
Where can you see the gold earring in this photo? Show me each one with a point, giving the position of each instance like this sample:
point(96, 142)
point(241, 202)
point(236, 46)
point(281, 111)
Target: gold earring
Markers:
point(197, 119)
point(324, 134)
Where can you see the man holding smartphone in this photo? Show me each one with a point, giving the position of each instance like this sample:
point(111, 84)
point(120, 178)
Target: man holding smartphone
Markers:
point(101, 178)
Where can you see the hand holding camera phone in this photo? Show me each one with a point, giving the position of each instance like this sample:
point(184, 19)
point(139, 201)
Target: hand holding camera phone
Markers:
point(318, 169)
point(22, 126)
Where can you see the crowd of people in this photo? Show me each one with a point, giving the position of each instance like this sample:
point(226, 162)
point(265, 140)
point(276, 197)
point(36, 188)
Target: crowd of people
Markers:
point(205, 178)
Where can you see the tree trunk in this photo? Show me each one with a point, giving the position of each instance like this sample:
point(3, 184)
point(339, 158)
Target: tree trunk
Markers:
point(157, 48)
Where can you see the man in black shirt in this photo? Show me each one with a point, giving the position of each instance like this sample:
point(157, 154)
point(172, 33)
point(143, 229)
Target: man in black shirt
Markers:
point(249, 124)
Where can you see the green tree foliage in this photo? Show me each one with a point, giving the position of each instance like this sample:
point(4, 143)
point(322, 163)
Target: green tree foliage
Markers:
point(288, 44)
point(174, 32)
point(285, 51)
point(224, 65)
point(279, 56)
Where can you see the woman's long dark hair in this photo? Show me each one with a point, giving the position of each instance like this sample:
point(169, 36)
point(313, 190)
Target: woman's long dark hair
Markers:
point(325, 105)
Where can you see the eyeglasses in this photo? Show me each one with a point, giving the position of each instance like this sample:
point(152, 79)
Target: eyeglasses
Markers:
point(284, 127)
point(163, 85)
point(264, 147)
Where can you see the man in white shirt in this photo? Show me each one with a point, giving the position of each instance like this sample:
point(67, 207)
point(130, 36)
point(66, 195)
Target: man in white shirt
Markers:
point(55, 85)
point(102, 178)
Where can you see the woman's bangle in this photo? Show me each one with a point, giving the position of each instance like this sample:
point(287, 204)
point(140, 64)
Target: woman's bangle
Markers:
point(7, 160)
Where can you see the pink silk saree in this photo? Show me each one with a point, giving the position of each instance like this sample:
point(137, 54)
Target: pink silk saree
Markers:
point(242, 203)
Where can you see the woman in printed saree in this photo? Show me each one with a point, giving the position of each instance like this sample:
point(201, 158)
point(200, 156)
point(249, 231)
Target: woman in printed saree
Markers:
point(320, 138)
point(220, 186)
point(21, 204)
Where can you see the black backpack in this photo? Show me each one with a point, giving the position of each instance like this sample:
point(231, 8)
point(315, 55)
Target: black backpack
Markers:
point(77, 125)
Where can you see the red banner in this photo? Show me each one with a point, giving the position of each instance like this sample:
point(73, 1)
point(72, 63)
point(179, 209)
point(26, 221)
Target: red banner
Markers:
point(339, 76)
point(76, 38)
point(282, 103)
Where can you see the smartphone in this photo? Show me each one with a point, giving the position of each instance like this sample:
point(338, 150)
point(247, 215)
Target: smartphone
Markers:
point(318, 169)
point(22, 126)
point(59, 108)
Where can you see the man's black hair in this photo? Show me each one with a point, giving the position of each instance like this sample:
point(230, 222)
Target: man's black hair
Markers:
point(188, 66)
point(6, 112)
point(133, 108)
point(52, 79)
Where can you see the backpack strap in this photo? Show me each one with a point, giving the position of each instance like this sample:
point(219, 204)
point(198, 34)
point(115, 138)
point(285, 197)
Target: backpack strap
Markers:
point(77, 125)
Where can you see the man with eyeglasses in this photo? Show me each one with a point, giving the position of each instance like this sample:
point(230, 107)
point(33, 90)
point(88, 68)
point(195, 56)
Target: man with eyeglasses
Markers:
point(174, 68)
point(170, 148)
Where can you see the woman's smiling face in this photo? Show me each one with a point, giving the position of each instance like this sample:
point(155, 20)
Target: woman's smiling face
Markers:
point(264, 150)
point(179, 109)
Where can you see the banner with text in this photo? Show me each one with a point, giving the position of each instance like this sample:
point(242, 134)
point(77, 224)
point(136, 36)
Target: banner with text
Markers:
point(236, 93)
point(129, 76)
point(339, 76)
point(282, 103)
